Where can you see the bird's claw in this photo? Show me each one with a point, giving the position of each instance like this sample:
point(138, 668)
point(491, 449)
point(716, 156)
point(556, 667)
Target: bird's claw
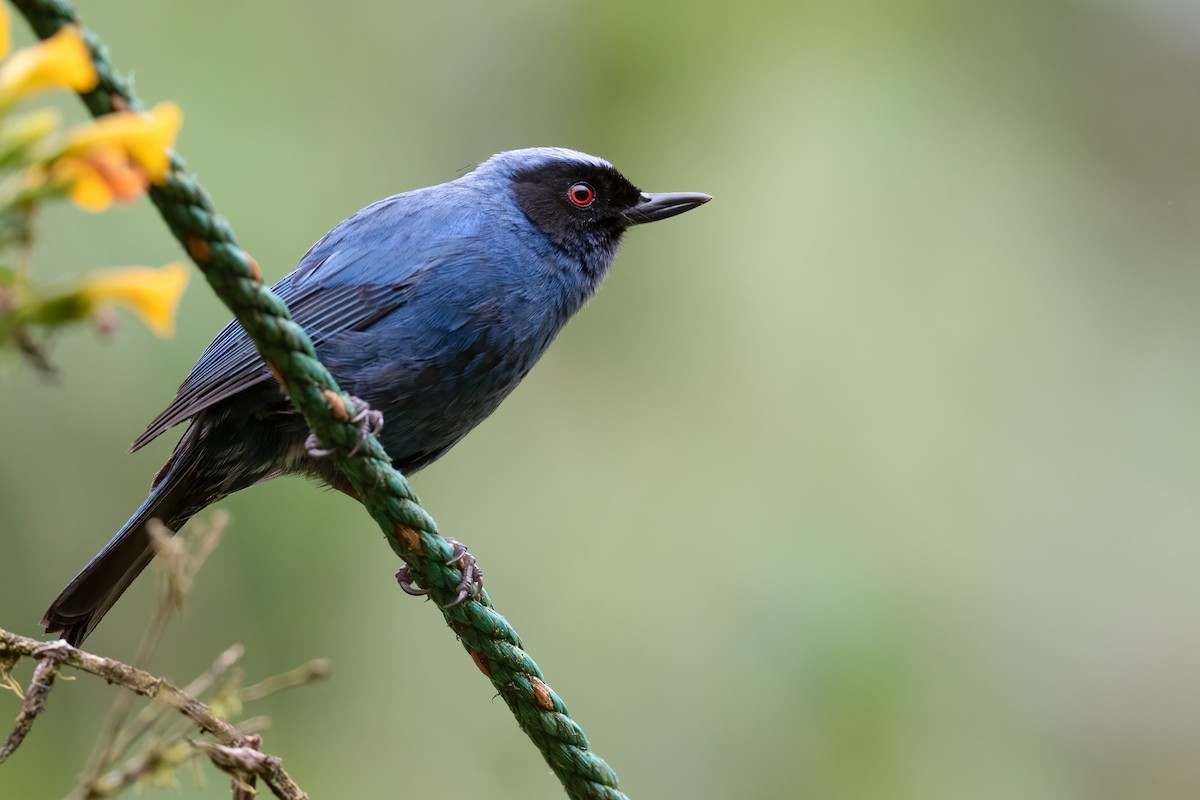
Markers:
point(469, 586)
point(472, 574)
point(457, 550)
point(404, 578)
point(314, 448)
point(369, 422)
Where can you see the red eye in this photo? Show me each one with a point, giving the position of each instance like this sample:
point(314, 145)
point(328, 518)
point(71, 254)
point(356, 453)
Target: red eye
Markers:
point(582, 195)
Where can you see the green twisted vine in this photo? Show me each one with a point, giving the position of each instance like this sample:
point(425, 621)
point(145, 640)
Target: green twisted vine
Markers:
point(411, 532)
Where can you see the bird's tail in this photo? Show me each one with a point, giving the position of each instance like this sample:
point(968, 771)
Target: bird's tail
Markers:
point(90, 594)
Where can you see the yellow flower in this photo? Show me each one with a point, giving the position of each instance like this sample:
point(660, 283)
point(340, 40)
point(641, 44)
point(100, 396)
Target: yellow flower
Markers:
point(98, 177)
point(153, 294)
point(5, 32)
point(145, 139)
point(61, 62)
point(115, 157)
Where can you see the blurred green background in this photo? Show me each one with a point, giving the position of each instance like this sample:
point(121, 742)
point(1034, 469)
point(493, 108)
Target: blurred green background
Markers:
point(875, 478)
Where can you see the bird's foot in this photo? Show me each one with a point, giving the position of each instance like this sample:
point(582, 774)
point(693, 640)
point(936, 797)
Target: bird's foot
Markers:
point(313, 446)
point(369, 421)
point(404, 578)
point(472, 574)
point(469, 586)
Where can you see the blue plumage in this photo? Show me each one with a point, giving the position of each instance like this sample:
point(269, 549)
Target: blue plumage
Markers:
point(431, 305)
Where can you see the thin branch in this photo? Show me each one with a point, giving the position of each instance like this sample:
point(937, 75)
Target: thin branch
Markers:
point(246, 760)
point(150, 716)
point(153, 760)
point(179, 559)
point(269, 768)
point(243, 764)
point(34, 702)
point(317, 669)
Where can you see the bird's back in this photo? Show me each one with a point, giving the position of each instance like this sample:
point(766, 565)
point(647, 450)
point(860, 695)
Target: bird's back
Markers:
point(482, 307)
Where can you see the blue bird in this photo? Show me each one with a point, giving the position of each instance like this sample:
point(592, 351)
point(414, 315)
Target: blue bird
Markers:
point(431, 306)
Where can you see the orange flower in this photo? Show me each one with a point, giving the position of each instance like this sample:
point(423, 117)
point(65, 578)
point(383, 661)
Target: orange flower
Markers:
point(145, 139)
point(153, 294)
point(61, 62)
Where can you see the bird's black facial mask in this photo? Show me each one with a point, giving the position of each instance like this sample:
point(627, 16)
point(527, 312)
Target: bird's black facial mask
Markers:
point(580, 207)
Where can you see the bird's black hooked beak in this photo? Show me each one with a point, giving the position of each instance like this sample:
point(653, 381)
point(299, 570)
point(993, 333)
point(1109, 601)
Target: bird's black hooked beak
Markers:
point(659, 205)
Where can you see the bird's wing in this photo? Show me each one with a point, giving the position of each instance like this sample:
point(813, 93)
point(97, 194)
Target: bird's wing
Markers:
point(321, 301)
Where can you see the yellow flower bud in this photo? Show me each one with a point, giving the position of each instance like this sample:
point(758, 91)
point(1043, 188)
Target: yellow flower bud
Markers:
point(61, 62)
point(153, 294)
point(18, 136)
point(28, 128)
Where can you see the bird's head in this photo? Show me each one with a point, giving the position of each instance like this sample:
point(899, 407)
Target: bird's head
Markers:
point(581, 203)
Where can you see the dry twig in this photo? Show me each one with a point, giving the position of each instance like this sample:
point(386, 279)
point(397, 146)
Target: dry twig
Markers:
point(34, 701)
point(168, 746)
point(233, 746)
